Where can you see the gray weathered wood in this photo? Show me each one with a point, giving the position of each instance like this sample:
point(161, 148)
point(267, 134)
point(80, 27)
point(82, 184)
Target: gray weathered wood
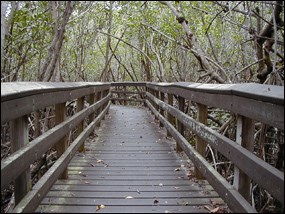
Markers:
point(34, 197)
point(261, 172)
point(200, 143)
point(32, 151)
point(61, 145)
point(264, 103)
point(80, 127)
point(145, 179)
point(244, 137)
point(232, 197)
point(19, 138)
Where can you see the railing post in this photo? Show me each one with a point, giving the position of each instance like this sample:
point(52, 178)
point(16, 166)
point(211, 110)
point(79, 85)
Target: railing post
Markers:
point(156, 94)
point(161, 110)
point(201, 144)
point(180, 126)
point(125, 95)
point(91, 102)
point(244, 137)
point(170, 118)
point(98, 111)
point(104, 94)
point(61, 146)
point(92, 115)
point(20, 137)
point(80, 105)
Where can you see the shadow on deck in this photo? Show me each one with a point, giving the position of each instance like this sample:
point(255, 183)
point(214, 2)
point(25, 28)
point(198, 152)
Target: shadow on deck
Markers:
point(130, 167)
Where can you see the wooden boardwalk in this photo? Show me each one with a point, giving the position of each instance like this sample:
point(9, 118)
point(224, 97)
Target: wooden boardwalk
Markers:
point(129, 168)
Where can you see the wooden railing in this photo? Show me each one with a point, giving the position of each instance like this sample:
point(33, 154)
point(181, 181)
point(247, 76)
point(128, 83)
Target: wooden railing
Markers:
point(250, 102)
point(18, 100)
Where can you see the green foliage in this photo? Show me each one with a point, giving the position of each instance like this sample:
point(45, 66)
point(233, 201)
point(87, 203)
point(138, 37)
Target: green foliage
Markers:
point(84, 48)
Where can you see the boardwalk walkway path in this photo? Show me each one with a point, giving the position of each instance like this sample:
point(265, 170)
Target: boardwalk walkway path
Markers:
point(130, 167)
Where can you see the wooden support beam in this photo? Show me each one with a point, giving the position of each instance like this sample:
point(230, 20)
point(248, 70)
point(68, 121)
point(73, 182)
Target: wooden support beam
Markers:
point(125, 95)
point(180, 126)
point(91, 101)
point(98, 97)
point(20, 137)
point(161, 111)
point(80, 105)
point(61, 145)
point(201, 144)
point(244, 137)
point(170, 118)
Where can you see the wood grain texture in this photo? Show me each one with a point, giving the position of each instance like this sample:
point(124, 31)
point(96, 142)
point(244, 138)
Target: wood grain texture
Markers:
point(130, 167)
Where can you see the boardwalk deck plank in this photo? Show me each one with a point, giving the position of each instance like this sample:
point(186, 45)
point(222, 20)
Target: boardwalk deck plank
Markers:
point(129, 168)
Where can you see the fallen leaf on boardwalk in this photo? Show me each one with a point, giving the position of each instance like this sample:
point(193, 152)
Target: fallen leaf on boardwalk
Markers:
point(155, 201)
point(207, 208)
point(84, 175)
point(129, 197)
point(86, 182)
point(99, 161)
point(177, 169)
point(91, 164)
point(98, 207)
point(185, 203)
point(215, 210)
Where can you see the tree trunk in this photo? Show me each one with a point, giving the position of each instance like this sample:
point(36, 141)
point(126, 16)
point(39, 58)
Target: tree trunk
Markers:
point(104, 75)
point(194, 46)
point(49, 64)
point(4, 5)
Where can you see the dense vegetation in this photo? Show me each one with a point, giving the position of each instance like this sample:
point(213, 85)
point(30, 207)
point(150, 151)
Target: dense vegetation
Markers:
point(195, 41)
point(220, 42)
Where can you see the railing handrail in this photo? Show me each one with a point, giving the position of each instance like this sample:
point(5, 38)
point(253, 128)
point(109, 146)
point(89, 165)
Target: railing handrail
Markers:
point(244, 99)
point(13, 90)
point(266, 93)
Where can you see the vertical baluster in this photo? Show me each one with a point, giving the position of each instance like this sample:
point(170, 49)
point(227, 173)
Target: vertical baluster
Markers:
point(180, 126)
point(125, 95)
point(80, 105)
point(61, 145)
point(161, 110)
point(98, 111)
point(244, 137)
point(170, 118)
point(20, 137)
point(201, 144)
